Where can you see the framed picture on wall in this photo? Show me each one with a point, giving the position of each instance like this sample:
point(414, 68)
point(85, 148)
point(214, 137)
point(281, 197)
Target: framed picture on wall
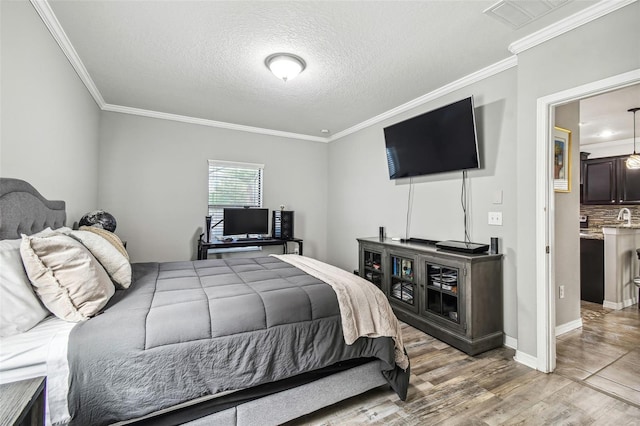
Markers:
point(561, 159)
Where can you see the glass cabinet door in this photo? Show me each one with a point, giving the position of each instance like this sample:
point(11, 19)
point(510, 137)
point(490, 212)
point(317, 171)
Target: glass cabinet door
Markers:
point(442, 291)
point(403, 285)
point(373, 267)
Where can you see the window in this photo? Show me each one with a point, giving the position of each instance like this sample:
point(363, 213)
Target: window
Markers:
point(232, 185)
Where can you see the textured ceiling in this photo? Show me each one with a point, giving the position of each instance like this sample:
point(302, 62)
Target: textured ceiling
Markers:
point(609, 113)
point(205, 59)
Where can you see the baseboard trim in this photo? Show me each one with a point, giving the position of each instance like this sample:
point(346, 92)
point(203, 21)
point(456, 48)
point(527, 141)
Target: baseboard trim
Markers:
point(510, 342)
point(619, 305)
point(612, 305)
point(568, 326)
point(526, 359)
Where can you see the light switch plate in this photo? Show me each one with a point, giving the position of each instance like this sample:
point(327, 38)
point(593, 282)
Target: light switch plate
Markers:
point(497, 196)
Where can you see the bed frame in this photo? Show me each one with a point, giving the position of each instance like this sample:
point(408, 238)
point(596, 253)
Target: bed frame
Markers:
point(24, 210)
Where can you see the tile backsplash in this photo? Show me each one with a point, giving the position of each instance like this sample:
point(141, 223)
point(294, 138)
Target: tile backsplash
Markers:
point(600, 216)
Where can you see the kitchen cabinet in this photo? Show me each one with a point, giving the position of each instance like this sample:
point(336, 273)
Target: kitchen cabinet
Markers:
point(592, 270)
point(608, 181)
point(629, 185)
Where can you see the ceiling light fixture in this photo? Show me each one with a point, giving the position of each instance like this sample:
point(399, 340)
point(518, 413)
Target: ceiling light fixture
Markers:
point(633, 162)
point(285, 66)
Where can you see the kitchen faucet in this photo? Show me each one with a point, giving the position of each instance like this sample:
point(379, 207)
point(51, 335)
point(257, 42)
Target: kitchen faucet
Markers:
point(625, 214)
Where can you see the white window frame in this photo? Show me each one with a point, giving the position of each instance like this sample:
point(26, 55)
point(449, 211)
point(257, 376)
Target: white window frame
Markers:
point(215, 210)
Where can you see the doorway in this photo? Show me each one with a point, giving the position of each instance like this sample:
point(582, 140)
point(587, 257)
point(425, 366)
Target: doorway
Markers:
point(545, 207)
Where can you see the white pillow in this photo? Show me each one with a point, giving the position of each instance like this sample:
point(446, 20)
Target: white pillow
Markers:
point(20, 308)
point(111, 258)
point(67, 278)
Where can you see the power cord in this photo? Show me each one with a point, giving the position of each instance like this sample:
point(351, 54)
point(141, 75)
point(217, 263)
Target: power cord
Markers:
point(409, 208)
point(463, 201)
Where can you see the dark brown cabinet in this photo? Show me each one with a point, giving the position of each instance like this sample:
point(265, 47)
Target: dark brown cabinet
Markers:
point(600, 184)
point(455, 297)
point(629, 185)
point(608, 181)
point(592, 270)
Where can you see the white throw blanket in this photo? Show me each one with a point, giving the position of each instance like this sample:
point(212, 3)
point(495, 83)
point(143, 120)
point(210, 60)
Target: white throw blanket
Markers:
point(356, 297)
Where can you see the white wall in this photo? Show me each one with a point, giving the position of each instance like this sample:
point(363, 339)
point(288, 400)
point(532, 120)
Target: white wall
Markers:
point(567, 225)
point(362, 198)
point(50, 122)
point(603, 48)
point(153, 179)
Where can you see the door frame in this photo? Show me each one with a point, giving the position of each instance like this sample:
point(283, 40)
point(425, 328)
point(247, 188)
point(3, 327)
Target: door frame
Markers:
point(545, 209)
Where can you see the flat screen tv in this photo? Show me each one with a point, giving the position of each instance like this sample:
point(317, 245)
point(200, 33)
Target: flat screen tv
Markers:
point(245, 221)
point(441, 140)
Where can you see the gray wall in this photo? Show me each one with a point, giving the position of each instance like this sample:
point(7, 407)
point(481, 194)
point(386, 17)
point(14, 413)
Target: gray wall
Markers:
point(603, 48)
point(152, 173)
point(50, 122)
point(362, 198)
point(567, 227)
point(153, 179)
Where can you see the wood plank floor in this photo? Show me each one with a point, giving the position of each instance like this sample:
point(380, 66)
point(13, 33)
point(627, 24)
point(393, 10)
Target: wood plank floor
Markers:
point(596, 382)
point(605, 353)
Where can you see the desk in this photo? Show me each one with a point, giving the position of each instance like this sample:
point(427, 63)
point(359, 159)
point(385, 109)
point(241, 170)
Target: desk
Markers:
point(204, 246)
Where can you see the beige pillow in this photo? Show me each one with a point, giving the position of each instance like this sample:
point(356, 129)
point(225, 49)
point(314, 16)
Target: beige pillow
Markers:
point(107, 253)
point(67, 278)
point(109, 236)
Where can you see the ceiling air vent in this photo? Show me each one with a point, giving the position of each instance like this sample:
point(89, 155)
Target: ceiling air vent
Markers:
point(517, 13)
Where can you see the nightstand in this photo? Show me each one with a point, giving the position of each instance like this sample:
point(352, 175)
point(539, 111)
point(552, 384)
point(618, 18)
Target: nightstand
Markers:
point(22, 403)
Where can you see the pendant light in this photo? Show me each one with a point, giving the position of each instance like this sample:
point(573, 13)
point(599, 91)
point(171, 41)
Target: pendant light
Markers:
point(633, 162)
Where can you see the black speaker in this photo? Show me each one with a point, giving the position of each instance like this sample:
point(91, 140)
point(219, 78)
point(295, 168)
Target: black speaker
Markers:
point(282, 224)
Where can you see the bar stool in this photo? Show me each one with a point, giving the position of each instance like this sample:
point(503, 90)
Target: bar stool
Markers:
point(636, 280)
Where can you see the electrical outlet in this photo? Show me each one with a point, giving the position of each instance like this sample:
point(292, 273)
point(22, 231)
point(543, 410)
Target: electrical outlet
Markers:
point(495, 218)
point(561, 292)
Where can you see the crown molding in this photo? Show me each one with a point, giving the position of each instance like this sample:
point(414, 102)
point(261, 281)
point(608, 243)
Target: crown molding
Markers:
point(608, 144)
point(474, 77)
point(572, 22)
point(602, 8)
point(482, 74)
point(53, 25)
point(209, 123)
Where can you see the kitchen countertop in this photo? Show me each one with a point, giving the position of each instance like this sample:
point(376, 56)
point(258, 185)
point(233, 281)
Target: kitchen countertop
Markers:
point(592, 234)
point(597, 234)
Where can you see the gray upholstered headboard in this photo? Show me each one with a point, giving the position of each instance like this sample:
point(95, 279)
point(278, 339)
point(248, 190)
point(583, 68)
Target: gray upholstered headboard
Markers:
point(24, 211)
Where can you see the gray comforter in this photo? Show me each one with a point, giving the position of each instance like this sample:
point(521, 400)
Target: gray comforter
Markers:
point(190, 329)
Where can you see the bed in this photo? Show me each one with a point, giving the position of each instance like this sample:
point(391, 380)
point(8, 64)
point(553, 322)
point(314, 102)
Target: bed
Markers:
point(237, 341)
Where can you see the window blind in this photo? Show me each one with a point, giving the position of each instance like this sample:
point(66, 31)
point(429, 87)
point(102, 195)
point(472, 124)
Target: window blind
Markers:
point(233, 185)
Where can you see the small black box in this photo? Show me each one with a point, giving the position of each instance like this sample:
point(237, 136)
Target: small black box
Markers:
point(282, 224)
point(462, 246)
